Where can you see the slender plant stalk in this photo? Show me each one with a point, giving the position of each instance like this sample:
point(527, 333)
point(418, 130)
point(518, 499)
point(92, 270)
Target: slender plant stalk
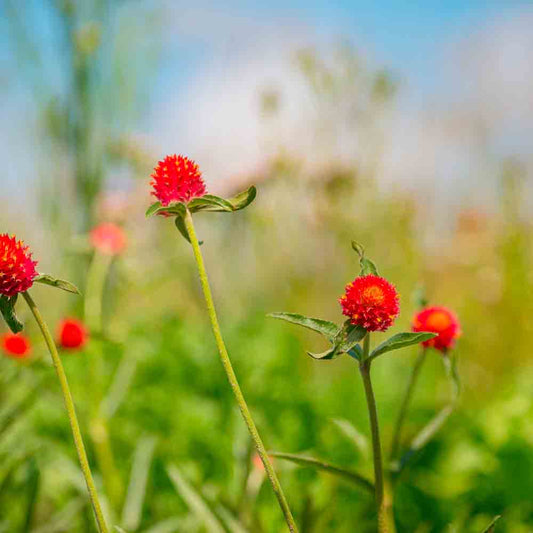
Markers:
point(397, 435)
point(232, 378)
point(98, 427)
point(383, 501)
point(69, 404)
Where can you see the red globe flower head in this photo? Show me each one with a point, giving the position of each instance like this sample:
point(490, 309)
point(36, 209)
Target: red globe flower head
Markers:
point(16, 345)
point(17, 270)
point(177, 179)
point(72, 334)
point(439, 320)
point(371, 302)
point(108, 238)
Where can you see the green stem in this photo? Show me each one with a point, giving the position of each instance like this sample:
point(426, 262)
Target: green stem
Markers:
point(69, 404)
point(396, 439)
point(98, 428)
point(232, 378)
point(385, 520)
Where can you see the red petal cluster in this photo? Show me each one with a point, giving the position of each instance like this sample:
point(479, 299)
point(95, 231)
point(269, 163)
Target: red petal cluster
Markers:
point(72, 334)
point(17, 270)
point(108, 239)
point(177, 179)
point(372, 302)
point(439, 320)
point(16, 345)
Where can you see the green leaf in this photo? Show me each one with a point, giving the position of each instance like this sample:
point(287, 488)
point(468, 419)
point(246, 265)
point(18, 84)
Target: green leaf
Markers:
point(195, 501)
point(400, 340)
point(209, 202)
point(367, 266)
point(7, 308)
point(119, 529)
point(180, 224)
point(332, 353)
point(152, 210)
point(349, 336)
point(133, 505)
point(356, 352)
point(62, 284)
point(324, 327)
point(243, 199)
point(348, 475)
point(492, 526)
point(176, 208)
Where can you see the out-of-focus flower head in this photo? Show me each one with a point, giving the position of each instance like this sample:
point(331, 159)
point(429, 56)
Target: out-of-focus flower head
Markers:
point(108, 238)
point(17, 270)
point(177, 179)
point(371, 302)
point(16, 345)
point(72, 334)
point(440, 320)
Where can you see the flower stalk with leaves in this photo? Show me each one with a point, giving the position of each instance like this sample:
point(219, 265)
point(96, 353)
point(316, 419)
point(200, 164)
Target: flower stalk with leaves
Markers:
point(371, 304)
point(180, 191)
point(17, 275)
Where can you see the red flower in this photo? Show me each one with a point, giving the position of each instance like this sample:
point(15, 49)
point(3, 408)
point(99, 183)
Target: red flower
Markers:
point(16, 345)
point(439, 320)
point(17, 270)
point(108, 238)
point(370, 301)
point(72, 334)
point(177, 179)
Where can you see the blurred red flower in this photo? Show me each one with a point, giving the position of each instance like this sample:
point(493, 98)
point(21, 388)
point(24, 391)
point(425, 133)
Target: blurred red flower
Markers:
point(108, 238)
point(73, 334)
point(439, 320)
point(177, 179)
point(16, 345)
point(17, 270)
point(371, 302)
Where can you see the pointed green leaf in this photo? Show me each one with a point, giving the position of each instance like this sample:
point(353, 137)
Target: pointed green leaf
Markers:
point(7, 308)
point(152, 210)
point(180, 224)
point(243, 199)
point(324, 327)
point(492, 526)
point(332, 353)
point(348, 475)
point(62, 284)
point(209, 202)
point(350, 335)
point(356, 352)
point(367, 266)
point(401, 340)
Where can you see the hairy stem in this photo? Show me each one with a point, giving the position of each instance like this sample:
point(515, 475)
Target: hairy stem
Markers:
point(232, 378)
point(69, 404)
point(383, 505)
point(397, 435)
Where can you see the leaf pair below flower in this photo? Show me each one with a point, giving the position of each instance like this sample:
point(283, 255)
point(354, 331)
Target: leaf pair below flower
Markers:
point(208, 202)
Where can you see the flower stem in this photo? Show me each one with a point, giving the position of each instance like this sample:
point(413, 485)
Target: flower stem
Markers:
point(232, 378)
point(98, 427)
point(395, 446)
point(385, 519)
point(69, 404)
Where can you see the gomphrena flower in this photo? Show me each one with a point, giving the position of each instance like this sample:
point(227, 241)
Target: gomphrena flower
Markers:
point(108, 238)
point(72, 334)
point(177, 179)
point(17, 270)
point(16, 345)
point(371, 302)
point(439, 320)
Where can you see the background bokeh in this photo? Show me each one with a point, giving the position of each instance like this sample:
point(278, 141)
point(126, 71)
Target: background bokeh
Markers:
point(407, 128)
